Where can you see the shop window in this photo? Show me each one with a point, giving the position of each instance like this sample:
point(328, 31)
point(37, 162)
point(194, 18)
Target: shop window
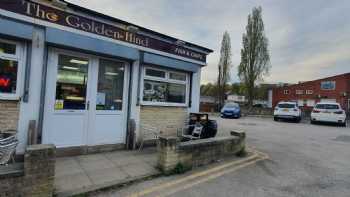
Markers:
point(170, 90)
point(328, 85)
point(110, 85)
point(10, 70)
point(155, 73)
point(286, 91)
point(177, 76)
point(71, 83)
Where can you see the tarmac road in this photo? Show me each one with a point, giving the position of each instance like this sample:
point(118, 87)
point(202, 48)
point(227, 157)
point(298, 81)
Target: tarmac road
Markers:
point(304, 161)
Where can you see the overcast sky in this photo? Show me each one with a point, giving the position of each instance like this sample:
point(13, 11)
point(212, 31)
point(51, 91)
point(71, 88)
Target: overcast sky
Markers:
point(308, 39)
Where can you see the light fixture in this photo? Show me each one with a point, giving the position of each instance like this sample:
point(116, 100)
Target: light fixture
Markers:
point(111, 73)
point(75, 61)
point(70, 68)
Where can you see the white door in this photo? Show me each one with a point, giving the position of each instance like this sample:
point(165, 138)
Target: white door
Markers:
point(85, 100)
point(107, 114)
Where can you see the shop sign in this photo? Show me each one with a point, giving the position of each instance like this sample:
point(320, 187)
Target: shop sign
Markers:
point(56, 16)
point(4, 82)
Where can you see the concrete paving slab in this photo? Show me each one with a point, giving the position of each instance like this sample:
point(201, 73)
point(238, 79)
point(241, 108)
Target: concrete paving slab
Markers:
point(126, 160)
point(103, 176)
point(72, 182)
point(97, 164)
point(139, 169)
point(80, 174)
point(65, 167)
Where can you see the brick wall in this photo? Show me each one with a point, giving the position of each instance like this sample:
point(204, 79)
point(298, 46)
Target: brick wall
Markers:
point(9, 114)
point(35, 177)
point(342, 82)
point(167, 119)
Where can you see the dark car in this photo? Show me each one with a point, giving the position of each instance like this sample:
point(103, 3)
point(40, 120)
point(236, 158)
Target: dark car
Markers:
point(231, 110)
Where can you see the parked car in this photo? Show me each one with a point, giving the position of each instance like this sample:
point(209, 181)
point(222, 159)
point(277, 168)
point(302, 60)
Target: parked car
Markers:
point(328, 112)
point(231, 110)
point(287, 111)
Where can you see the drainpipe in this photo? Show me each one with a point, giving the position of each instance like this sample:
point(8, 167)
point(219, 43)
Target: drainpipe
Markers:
point(42, 95)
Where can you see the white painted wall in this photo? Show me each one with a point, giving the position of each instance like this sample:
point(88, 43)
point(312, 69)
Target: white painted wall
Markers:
point(30, 111)
point(135, 109)
point(196, 91)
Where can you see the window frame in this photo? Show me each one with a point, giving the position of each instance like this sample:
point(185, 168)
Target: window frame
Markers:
point(20, 58)
point(299, 92)
point(330, 81)
point(166, 80)
point(309, 92)
point(286, 92)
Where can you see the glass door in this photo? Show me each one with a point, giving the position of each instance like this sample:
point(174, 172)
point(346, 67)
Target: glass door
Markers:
point(108, 116)
point(71, 83)
point(85, 100)
point(67, 98)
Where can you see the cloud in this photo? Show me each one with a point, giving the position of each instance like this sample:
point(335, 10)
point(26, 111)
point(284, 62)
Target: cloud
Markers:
point(308, 39)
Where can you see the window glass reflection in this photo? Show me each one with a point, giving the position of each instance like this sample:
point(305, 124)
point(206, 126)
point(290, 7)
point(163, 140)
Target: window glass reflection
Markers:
point(7, 48)
point(71, 83)
point(110, 85)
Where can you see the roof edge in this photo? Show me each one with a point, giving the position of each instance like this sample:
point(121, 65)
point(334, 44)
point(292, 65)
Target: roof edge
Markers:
point(113, 19)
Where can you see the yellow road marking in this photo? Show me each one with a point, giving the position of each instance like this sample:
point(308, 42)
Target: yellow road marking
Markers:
point(203, 173)
point(210, 177)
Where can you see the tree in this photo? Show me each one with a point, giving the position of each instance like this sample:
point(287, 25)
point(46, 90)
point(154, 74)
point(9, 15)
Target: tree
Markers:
point(255, 58)
point(224, 68)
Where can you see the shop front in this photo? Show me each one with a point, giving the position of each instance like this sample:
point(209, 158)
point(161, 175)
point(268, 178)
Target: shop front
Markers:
point(82, 76)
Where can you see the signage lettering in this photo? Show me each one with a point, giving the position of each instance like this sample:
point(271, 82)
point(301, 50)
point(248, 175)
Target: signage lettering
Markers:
point(53, 15)
point(4, 82)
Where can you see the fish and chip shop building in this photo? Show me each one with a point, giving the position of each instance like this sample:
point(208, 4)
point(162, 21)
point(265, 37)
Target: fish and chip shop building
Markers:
point(76, 78)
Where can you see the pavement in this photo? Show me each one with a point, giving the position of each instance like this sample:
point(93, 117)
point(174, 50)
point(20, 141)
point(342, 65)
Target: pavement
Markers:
point(81, 174)
point(302, 160)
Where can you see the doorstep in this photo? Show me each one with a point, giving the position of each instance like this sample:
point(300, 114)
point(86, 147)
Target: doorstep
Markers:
point(87, 173)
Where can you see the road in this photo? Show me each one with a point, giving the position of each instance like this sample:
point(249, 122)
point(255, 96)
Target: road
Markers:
point(304, 160)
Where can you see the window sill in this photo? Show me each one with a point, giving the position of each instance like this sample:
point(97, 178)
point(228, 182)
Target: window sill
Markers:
point(9, 98)
point(164, 104)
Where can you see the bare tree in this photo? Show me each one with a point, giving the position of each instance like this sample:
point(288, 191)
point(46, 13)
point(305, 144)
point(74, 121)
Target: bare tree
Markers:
point(255, 58)
point(224, 68)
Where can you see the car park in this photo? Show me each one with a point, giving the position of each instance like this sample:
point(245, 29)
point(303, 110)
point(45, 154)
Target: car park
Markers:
point(231, 110)
point(328, 112)
point(287, 111)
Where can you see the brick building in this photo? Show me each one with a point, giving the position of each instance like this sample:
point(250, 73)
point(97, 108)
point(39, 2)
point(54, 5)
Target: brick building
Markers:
point(307, 94)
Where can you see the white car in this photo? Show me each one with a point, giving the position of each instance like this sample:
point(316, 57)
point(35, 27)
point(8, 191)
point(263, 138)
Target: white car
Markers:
point(287, 111)
point(328, 112)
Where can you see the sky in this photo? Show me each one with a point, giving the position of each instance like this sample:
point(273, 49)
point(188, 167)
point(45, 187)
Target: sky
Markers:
point(307, 39)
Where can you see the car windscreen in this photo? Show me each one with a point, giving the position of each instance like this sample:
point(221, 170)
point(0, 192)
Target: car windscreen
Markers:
point(327, 106)
point(286, 105)
point(231, 105)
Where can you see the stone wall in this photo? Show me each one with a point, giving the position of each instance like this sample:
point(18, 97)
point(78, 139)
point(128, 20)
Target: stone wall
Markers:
point(9, 114)
point(34, 177)
point(191, 154)
point(167, 119)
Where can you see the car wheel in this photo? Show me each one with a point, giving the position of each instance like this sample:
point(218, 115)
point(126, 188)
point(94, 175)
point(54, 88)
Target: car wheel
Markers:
point(312, 122)
point(275, 118)
point(298, 119)
point(343, 124)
